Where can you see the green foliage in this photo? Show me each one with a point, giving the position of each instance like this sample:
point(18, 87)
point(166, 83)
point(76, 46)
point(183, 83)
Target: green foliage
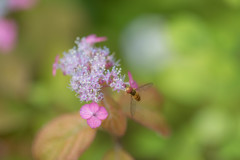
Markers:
point(117, 153)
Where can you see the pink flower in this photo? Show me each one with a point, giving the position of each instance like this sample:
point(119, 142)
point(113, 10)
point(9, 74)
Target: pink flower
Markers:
point(94, 39)
point(94, 114)
point(55, 65)
point(8, 34)
point(132, 83)
point(21, 4)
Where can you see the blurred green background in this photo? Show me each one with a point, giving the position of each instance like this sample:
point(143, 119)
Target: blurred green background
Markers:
point(189, 49)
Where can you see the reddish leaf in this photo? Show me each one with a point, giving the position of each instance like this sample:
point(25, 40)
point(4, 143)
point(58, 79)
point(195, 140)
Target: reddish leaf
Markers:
point(116, 123)
point(64, 138)
point(117, 154)
point(148, 110)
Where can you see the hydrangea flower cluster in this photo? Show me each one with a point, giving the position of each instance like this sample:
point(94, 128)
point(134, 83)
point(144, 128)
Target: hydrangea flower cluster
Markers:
point(91, 68)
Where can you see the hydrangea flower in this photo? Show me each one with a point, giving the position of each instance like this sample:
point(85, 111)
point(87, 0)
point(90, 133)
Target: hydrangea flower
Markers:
point(90, 68)
point(132, 83)
point(8, 33)
point(94, 114)
point(91, 39)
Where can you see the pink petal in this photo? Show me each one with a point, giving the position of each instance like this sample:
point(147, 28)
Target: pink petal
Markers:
point(94, 122)
point(94, 39)
point(21, 4)
point(8, 34)
point(85, 112)
point(132, 83)
point(55, 65)
point(94, 107)
point(102, 113)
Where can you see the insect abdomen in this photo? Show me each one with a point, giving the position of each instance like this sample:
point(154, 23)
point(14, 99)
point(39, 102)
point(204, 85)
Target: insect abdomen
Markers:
point(137, 97)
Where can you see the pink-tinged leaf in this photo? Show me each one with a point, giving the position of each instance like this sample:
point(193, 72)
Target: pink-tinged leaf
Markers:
point(132, 83)
point(116, 122)
point(102, 113)
point(8, 35)
point(94, 39)
point(94, 122)
point(117, 153)
point(148, 110)
point(64, 138)
point(85, 112)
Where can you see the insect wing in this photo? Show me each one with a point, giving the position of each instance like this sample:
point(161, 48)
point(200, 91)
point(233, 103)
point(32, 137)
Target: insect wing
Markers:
point(144, 87)
point(133, 101)
point(132, 106)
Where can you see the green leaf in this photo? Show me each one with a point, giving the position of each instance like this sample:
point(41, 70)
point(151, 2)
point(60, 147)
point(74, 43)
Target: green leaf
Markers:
point(148, 110)
point(116, 122)
point(64, 138)
point(117, 154)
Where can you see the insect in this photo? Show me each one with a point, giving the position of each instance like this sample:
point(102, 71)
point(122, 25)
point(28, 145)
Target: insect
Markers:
point(134, 90)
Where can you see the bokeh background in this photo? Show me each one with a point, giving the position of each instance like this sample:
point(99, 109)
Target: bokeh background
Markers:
point(190, 50)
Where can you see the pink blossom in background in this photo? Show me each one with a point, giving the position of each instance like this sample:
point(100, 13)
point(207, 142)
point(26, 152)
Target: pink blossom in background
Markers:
point(94, 114)
point(94, 39)
point(132, 83)
point(21, 4)
point(8, 34)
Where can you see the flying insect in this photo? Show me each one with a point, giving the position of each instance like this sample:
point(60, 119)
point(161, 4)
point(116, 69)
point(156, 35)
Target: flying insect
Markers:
point(134, 90)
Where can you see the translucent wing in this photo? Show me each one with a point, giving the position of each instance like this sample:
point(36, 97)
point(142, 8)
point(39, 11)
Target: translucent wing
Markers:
point(133, 101)
point(132, 106)
point(144, 87)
